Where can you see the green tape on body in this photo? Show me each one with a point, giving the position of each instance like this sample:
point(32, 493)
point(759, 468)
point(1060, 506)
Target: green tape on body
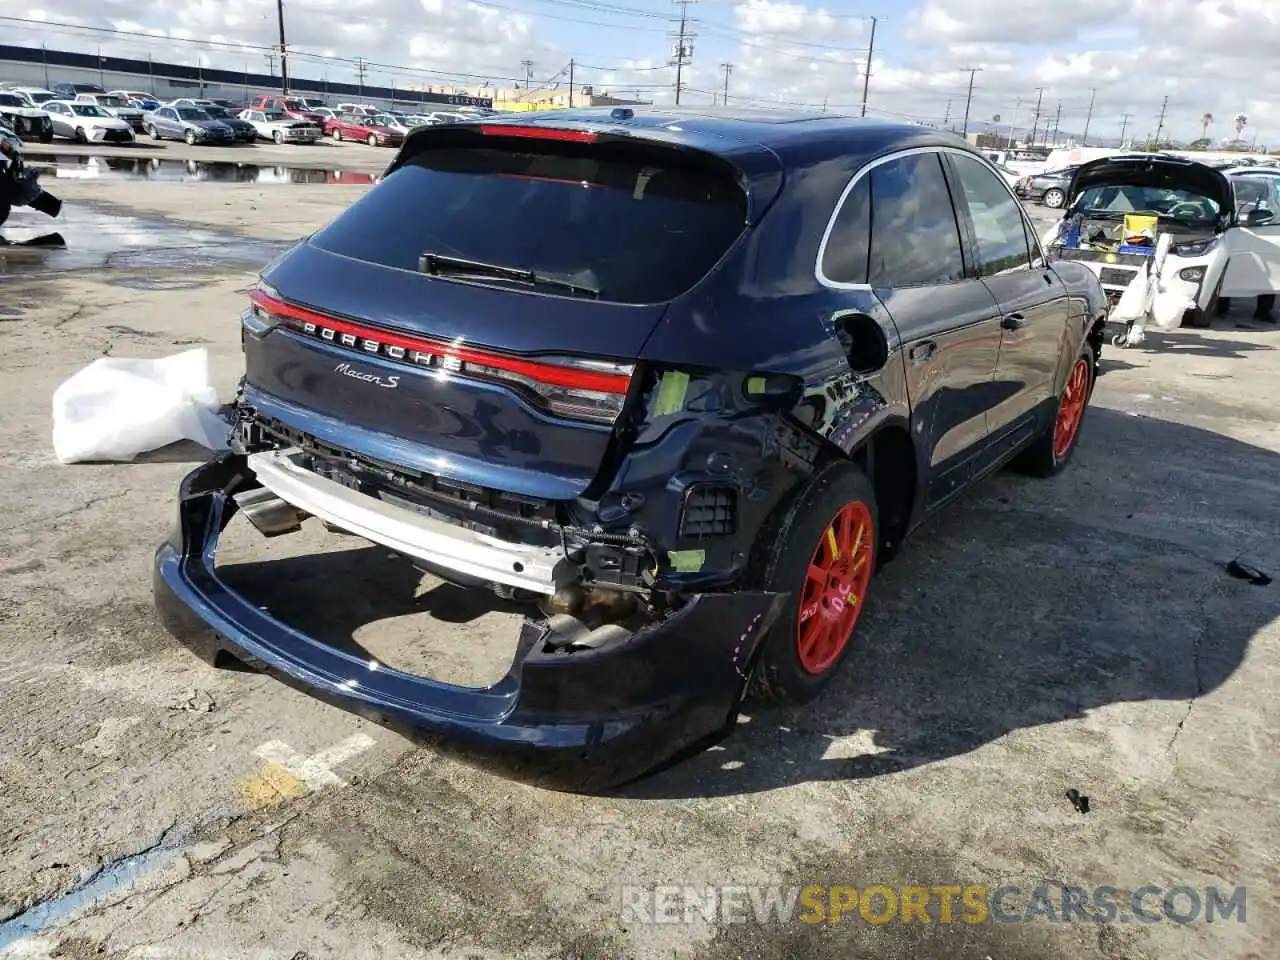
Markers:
point(756, 385)
point(671, 393)
point(687, 561)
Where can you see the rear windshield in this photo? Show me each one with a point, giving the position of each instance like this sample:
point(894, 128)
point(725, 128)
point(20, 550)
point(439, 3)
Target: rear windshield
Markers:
point(636, 225)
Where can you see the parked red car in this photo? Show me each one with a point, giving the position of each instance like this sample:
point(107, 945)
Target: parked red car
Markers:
point(352, 127)
point(294, 107)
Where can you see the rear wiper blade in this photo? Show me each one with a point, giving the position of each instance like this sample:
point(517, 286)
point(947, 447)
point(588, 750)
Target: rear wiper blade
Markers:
point(439, 265)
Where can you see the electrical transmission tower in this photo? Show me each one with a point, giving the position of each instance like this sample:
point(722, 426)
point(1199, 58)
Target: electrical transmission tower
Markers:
point(683, 39)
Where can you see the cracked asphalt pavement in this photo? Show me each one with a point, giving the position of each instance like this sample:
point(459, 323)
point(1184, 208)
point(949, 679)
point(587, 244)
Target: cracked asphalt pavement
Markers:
point(1080, 633)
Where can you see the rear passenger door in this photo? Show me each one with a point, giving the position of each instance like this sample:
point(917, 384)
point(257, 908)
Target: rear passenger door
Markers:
point(948, 322)
point(1033, 301)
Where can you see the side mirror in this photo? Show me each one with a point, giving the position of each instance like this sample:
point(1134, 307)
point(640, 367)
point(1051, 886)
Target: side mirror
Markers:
point(1259, 217)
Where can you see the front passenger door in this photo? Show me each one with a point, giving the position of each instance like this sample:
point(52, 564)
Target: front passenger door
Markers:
point(1253, 245)
point(1033, 300)
point(948, 323)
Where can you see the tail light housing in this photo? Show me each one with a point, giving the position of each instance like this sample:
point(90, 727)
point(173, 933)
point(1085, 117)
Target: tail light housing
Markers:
point(575, 387)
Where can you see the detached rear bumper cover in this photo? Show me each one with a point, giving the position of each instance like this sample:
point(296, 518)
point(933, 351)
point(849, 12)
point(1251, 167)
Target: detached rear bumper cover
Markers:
point(584, 720)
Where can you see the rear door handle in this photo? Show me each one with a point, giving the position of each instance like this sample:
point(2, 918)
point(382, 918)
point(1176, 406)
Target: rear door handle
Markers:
point(923, 352)
point(1012, 321)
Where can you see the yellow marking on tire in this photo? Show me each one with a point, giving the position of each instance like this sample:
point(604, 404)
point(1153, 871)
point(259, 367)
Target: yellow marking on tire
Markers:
point(831, 541)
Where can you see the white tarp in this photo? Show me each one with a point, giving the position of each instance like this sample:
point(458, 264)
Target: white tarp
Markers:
point(116, 408)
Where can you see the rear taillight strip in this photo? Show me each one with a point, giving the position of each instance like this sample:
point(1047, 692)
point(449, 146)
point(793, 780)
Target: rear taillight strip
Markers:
point(420, 350)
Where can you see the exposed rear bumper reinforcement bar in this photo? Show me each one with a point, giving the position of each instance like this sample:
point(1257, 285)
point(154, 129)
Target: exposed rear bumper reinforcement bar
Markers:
point(416, 535)
point(579, 720)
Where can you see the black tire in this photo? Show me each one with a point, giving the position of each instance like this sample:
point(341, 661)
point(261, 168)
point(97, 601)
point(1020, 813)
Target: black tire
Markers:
point(786, 549)
point(4, 211)
point(81, 136)
point(277, 136)
point(190, 138)
point(337, 136)
point(1053, 198)
point(1045, 457)
point(154, 131)
point(1195, 317)
point(373, 140)
point(46, 137)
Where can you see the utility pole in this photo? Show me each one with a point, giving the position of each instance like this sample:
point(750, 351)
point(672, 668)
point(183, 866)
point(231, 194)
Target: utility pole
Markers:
point(866, 73)
point(1124, 125)
point(271, 63)
point(684, 45)
point(571, 83)
point(973, 71)
point(728, 69)
point(1160, 127)
point(946, 116)
point(1057, 121)
point(1084, 137)
point(102, 81)
point(1017, 105)
point(528, 73)
point(360, 72)
point(284, 63)
point(1035, 121)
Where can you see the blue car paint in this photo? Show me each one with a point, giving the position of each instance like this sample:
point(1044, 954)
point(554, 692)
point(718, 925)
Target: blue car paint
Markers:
point(760, 312)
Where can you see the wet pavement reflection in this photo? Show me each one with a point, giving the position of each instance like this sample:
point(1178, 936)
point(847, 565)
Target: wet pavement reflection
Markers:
point(96, 239)
point(169, 170)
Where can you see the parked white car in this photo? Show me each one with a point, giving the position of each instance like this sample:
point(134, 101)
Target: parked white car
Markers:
point(392, 122)
point(86, 123)
point(115, 105)
point(280, 127)
point(37, 96)
point(1170, 237)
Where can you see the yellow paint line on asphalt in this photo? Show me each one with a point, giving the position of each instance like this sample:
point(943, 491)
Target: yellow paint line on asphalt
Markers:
point(269, 784)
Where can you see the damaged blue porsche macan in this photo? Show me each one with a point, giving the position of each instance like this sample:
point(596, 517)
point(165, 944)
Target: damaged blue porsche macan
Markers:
point(679, 382)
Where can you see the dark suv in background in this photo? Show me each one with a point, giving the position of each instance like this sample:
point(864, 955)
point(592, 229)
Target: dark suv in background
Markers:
point(677, 384)
point(1049, 188)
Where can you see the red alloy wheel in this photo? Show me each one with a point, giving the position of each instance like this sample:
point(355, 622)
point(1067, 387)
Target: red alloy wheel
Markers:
point(835, 587)
point(1071, 408)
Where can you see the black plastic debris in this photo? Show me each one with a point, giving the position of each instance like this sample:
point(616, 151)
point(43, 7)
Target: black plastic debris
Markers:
point(1078, 800)
point(1250, 574)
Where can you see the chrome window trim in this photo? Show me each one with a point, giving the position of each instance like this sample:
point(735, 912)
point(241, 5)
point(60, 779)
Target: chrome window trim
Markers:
point(862, 173)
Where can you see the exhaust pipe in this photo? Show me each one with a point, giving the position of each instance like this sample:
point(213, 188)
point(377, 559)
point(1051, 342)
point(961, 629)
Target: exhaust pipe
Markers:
point(269, 513)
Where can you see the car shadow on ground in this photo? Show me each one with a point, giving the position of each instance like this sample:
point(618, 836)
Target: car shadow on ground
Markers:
point(1023, 604)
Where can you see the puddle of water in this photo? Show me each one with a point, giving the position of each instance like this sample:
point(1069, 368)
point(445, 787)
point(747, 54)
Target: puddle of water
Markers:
point(96, 239)
point(169, 170)
point(109, 880)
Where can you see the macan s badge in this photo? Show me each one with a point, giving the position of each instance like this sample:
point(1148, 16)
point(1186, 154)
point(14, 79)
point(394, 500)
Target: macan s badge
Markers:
point(347, 370)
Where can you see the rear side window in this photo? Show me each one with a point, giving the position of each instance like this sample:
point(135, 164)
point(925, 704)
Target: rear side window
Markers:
point(636, 225)
point(914, 237)
point(997, 219)
point(844, 260)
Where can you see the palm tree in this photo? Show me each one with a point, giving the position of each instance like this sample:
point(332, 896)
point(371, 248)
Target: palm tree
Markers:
point(1206, 119)
point(1241, 122)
